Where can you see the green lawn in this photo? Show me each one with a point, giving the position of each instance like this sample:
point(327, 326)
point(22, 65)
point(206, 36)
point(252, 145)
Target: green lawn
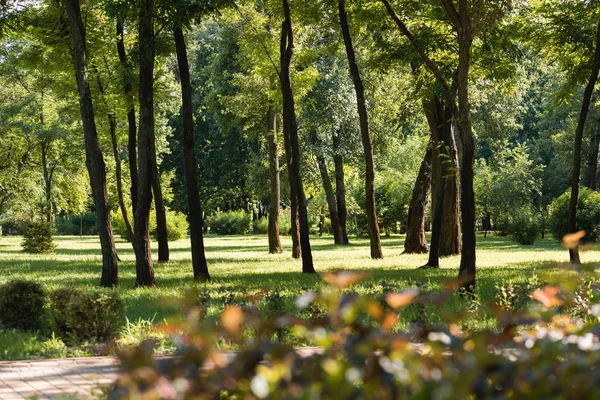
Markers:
point(240, 265)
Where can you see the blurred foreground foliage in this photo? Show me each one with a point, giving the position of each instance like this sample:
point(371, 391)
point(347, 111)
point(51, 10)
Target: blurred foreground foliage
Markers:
point(547, 349)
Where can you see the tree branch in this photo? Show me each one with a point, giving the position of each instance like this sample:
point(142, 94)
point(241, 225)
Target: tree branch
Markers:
point(452, 13)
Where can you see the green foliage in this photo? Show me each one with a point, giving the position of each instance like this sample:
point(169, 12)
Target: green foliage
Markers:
point(177, 225)
point(22, 305)
point(588, 214)
point(38, 238)
point(524, 226)
point(261, 226)
point(75, 224)
point(230, 222)
point(81, 315)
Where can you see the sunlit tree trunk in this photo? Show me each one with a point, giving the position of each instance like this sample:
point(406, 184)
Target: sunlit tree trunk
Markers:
point(275, 186)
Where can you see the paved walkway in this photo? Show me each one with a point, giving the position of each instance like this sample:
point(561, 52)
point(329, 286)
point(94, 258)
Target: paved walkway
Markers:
point(71, 378)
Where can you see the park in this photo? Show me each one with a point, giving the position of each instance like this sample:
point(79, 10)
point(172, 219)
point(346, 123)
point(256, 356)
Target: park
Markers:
point(309, 199)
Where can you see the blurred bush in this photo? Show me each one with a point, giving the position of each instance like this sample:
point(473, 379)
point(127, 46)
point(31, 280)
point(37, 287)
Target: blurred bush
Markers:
point(22, 305)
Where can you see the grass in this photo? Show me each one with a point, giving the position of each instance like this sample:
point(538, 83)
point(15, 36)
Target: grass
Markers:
point(241, 265)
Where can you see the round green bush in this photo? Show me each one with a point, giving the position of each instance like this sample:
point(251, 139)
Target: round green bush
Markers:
point(38, 238)
point(261, 226)
point(524, 226)
point(588, 214)
point(22, 305)
point(230, 222)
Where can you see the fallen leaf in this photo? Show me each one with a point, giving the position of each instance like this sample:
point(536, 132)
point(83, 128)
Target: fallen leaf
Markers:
point(344, 279)
point(401, 299)
point(231, 319)
point(547, 296)
point(572, 240)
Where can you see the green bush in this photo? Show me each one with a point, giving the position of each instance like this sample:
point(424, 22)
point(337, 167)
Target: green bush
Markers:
point(22, 305)
point(261, 226)
point(524, 226)
point(38, 239)
point(76, 224)
point(588, 214)
point(230, 223)
point(80, 316)
point(177, 225)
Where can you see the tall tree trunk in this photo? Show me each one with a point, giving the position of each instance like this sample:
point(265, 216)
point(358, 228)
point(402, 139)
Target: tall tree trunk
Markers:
point(132, 129)
point(47, 178)
point(415, 241)
point(199, 263)
point(373, 225)
point(112, 120)
point(593, 174)
point(146, 148)
point(94, 159)
point(340, 187)
point(327, 187)
point(585, 106)
point(465, 40)
point(275, 186)
point(290, 129)
point(161, 215)
point(450, 243)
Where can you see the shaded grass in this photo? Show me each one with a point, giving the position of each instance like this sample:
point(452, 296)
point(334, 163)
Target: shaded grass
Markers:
point(241, 265)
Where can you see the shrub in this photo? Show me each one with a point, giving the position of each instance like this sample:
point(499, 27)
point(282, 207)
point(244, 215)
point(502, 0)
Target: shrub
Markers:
point(261, 226)
point(177, 225)
point(75, 224)
point(588, 214)
point(79, 315)
point(230, 222)
point(38, 239)
point(22, 305)
point(524, 226)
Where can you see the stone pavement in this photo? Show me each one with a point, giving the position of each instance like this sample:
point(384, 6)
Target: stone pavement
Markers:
point(71, 378)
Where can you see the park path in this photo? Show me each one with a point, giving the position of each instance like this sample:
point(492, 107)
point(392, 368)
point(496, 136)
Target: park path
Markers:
point(70, 378)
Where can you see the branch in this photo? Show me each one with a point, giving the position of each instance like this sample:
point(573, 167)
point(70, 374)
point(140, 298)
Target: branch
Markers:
point(452, 13)
point(428, 61)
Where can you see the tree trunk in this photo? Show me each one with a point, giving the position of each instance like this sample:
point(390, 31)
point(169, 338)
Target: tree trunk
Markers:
point(47, 178)
point(119, 175)
point(340, 187)
point(132, 129)
point(467, 261)
point(290, 129)
point(161, 215)
point(593, 175)
point(415, 241)
point(585, 106)
point(373, 225)
point(94, 159)
point(450, 239)
point(146, 149)
point(275, 187)
point(199, 263)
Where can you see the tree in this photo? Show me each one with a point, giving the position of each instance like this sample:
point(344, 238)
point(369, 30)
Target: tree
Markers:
point(94, 158)
point(373, 225)
point(290, 132)
point(415, 241)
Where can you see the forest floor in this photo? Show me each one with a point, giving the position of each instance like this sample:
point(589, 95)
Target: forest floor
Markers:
point(241, 266)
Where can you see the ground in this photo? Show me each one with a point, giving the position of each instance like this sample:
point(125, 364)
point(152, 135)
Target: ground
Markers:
point(241, 265)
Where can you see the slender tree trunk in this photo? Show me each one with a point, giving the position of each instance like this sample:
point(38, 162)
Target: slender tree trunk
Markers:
point(340, 187)
point(161, 215)
point(199, 263)
point(373, 225)
point(275, 187)
point(290, 129)
point(132, 129)
point(593, 175)
point(450, 243)
point(465, 40)
point(143, 259)
point(112, 120)
point(94, 159)
point(415, 241)
point(585, 106)
point(47, 179)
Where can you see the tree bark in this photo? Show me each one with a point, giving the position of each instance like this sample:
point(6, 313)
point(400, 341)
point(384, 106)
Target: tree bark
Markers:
point(372, 222)
point(415, 241)
point(161, 215)
point(585, 106)
point(47, 174)
point(199, 263)
point(131, 124)
point(146, 148)
point(340, 187)
point(94, 159)
point(593, 174)
point(450, 239)
point(275, 186)
point(290, 129)
point(328, 188)
point(112, 120)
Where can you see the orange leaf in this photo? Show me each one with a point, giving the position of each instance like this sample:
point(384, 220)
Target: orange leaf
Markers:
point(401, 299)
point(389, 321)
point(547, 296)
point(344, 279)
point(572, 240)
point(231, 319)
